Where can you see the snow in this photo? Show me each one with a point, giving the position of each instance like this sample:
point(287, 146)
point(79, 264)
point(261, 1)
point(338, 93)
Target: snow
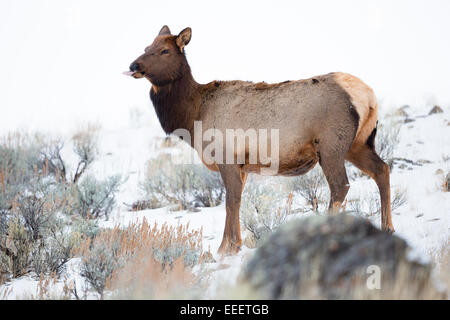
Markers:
point(424, 222)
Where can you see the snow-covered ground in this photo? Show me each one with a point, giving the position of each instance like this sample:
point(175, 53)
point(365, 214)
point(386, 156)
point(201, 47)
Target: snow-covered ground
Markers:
point(424, 221)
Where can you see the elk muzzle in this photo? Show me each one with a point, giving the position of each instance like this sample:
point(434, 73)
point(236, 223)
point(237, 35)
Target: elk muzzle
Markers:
point(135, 71)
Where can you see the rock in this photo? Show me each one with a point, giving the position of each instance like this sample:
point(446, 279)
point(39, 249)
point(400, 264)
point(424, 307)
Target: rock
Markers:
point(408, 161)
point(424, 161)
point(439, 171)
point(408, 120)
point(436, 109)
point(332, 257)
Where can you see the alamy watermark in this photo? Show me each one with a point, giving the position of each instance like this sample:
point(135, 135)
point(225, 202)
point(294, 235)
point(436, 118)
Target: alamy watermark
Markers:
point(234, 146)
point(373, 282)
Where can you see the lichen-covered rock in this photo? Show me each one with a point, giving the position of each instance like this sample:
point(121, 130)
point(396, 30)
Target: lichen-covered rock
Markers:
point(329, 257)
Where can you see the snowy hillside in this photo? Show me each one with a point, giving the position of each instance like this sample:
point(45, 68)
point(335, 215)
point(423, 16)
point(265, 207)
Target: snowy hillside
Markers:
point(421, 163)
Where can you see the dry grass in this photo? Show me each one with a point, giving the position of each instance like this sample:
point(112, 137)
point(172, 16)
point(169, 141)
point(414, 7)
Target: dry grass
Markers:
point(45, 290)
point(144, 262)
point(143, 278)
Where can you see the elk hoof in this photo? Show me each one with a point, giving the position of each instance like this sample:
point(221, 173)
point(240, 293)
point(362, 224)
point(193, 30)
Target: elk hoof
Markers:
point(389, 229)
point(228, 248)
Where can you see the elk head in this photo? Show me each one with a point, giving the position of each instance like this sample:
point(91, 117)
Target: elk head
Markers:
point(164, 60)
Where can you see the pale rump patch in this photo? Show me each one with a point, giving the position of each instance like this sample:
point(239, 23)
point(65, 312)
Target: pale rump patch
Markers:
point(364, 101)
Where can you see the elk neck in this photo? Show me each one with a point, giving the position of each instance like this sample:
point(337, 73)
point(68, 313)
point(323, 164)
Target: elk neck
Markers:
point(177, 103)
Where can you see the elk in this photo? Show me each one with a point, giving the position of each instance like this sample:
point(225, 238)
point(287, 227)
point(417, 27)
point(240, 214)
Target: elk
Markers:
point(327, 119)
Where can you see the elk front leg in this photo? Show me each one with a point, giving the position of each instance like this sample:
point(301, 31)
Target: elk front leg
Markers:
point(234, 181)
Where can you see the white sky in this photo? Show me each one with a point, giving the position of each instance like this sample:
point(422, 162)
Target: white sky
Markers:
point(61, 61)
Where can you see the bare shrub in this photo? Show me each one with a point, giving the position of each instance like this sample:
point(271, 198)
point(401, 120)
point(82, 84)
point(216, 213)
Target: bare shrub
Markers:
point(55, 249)
point(34, 232)
point(387, 139)
point(20, 167)
point(52, 159)
point(36, 237)
point(19, 159)
point(208, 189)
point(185, 186)
point(95, 198)
point(370, 205)
point(263, 210)
point(86, 147)
point(15, 249)
point(38, 204)
point(7, 196)
point(23, 203)
point(111, 259)
point(312, 187)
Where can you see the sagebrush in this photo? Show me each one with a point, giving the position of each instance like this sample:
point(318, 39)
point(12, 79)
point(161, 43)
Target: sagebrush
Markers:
point(139, 258)
point(182, 186)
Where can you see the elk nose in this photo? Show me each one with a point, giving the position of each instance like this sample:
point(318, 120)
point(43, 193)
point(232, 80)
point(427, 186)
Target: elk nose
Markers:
point(134, 67)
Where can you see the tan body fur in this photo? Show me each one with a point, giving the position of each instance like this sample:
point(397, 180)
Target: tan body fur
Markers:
point(304, 111)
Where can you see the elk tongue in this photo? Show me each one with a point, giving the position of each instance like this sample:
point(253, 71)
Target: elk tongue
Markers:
point(128, 73)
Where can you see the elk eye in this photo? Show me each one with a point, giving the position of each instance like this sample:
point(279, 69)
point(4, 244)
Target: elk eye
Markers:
point(165, 51)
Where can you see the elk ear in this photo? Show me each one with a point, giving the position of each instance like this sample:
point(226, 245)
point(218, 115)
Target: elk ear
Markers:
point(183, 38)
point(164, 31)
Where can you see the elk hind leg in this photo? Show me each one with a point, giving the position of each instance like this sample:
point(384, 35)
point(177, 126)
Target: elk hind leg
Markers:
point(367, 160)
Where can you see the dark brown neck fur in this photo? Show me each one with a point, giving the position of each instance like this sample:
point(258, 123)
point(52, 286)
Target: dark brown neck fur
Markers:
point(176, 102)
